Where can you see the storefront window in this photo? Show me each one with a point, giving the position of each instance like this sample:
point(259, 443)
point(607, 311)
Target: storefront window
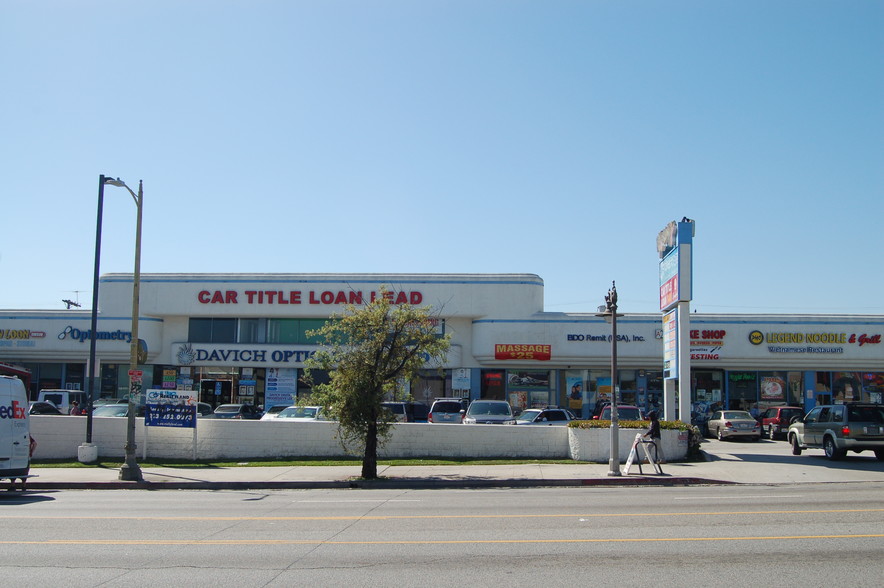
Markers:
point(49, 376)
point(293, 331)
point(252, 331)
point(795, 385)
point(493, 385)
point(654, 392)
point(576, 391)
point(774, 390)
point(846, 387)
point(873, 387)
point(628, 387)
point(600, 386)
point(527, 389)
point(823, 388)
point(212, 330)
point(742, 391)
point(431, 384)
point(282, 331)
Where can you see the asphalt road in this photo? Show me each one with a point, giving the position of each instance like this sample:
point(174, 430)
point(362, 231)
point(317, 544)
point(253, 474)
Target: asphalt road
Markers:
point(802, 534)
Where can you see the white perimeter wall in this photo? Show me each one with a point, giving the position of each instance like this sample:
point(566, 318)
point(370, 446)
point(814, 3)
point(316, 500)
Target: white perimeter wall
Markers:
point(59, 437)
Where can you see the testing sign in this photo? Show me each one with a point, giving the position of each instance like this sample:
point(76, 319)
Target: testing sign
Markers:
point(170, 408)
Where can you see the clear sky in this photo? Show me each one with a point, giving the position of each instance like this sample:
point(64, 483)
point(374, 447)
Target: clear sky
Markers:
point(451, 136)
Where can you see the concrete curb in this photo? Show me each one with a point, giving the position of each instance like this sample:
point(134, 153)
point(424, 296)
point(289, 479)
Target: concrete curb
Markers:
point(381, 484)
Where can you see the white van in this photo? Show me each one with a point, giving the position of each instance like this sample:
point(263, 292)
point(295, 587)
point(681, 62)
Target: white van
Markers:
point(15, 433)
point(63, 398)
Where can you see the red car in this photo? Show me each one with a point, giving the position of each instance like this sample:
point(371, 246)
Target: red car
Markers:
point(775, 420)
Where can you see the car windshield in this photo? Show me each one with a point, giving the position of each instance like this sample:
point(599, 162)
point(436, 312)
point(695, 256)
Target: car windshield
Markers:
point(299, 412)
point(111, 410)
point(395, 407)
point(626, 413)
point(276, 409)
point(225, 408)
point(447, 407)
point(489, 408)
point(736, 415)
point(528, 415)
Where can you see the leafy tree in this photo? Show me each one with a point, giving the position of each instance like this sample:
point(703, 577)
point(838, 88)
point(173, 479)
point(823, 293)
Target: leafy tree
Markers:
point(370, 351)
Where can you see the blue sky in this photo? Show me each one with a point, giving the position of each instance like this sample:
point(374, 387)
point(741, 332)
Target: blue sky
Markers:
point(459, 136)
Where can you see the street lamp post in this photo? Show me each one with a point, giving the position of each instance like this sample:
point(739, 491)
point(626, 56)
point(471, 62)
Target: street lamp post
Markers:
point(610, 314)
point(130, 470)
point(91, 375)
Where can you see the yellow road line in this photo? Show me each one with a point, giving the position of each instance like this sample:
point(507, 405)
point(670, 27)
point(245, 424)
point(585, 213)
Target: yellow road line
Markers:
point(460, 516)
point(422, 542)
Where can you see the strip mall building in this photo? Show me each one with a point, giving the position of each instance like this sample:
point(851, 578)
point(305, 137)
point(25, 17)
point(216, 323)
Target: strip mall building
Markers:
point(243, 338)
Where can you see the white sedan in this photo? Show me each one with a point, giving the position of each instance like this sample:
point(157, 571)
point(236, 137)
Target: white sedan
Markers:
point(543, 416)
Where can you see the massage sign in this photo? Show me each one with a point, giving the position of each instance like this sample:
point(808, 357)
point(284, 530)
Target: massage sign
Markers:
point(504, 351)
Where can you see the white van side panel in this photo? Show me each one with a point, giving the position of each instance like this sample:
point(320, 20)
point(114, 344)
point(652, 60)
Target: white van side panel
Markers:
point(14, 428)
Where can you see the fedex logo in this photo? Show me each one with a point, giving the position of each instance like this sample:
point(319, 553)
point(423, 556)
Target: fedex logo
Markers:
point(16, 411)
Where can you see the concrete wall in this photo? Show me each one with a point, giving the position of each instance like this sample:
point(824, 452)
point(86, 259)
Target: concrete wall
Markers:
point(59, 438)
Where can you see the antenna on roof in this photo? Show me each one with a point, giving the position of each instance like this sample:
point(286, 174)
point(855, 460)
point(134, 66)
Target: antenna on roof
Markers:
point(76, 302)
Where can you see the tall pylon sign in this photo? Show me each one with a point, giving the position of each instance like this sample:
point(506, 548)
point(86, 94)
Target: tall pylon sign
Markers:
point(674, 244)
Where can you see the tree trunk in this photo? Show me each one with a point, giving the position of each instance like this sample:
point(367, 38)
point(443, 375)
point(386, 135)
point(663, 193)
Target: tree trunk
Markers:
point(370, 459)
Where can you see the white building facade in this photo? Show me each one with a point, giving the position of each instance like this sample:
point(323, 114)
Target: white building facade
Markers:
point(245, 338)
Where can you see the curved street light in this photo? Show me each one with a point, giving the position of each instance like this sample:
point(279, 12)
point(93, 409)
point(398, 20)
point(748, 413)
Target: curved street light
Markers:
point(130, 469)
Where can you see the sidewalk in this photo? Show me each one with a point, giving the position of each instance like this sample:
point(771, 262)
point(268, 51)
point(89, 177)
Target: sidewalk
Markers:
point(727, 463)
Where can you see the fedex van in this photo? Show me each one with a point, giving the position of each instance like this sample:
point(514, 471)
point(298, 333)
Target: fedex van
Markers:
point(15, 435)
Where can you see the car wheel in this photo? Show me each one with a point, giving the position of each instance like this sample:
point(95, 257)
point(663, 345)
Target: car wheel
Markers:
point(832, 452)
point(796, 449)
point(720, 437)
point(770, 433)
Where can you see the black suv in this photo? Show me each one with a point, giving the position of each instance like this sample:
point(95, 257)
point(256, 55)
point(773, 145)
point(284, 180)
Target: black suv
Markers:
point(839, 428)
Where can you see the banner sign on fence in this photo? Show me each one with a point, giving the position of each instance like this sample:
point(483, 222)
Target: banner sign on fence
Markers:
point(170, 408)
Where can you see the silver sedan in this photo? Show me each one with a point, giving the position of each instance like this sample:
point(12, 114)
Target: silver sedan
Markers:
point(726, 424)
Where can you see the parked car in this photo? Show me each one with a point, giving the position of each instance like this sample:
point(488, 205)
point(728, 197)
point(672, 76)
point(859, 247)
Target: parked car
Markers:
point(44, 408)
point(543, 416)
point(300, 413)
point(726, 424)
point(776, 419)
point(625, 412)
point(273, 412)
point(63, 399)
point(839, 428)
point(237, 411)
point(488, 412)
point(398, 411)
point(204, 409)
point(417, 412)
point(446, 411)
point(117, 410)
point(408, 412)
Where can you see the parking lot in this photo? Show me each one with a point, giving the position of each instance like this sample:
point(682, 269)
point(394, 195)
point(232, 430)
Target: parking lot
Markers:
point(768, 461)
